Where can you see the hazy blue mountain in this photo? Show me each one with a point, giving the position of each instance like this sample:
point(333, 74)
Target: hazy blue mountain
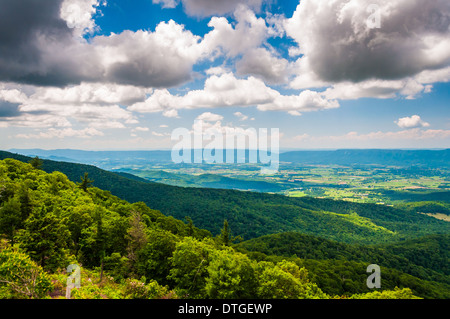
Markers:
point(89, 157)
point(205, 180)
point(428, 158)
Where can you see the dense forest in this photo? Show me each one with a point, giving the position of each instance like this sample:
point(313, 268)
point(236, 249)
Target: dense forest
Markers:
point(251, 215)
point(426, 258)
point(129, 250)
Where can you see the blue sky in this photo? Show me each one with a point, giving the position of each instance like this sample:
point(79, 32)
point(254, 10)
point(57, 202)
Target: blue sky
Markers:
point(116, 74)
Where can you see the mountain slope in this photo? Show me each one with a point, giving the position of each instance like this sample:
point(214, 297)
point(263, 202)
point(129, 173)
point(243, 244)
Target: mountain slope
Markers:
point(255, 214)
point(426, 257)
point(55, 222)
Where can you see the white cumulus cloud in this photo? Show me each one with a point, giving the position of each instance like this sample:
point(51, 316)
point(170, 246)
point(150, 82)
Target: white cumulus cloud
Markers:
point(228, 91)
point(79, 14)
point(411, 122)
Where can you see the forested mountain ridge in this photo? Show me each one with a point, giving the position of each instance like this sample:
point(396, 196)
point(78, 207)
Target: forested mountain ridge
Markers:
point(131, 251)
point(426, 257)
point(251, 215)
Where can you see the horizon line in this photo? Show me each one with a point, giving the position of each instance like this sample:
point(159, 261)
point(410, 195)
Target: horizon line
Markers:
point(281, 149)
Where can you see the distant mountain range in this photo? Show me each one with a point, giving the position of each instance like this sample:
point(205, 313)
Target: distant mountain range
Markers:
point(90, 157)
point(426, 158)
point(205, 181)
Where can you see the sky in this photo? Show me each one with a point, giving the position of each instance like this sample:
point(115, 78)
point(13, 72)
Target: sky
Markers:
point(117, 74)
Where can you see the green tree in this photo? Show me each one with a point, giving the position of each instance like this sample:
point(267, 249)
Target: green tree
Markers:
point(286, 280)
point(117, 266)
point(397, 293)
point(292, 268)
point(44, 237)
point(190, 226)
point(10, 221)
point(225, 236)
point(20, 277)
point(275, 283)
point(189, 267)
point(85, 182)
point(79, 218)
point(36, 162)
point(154, 258)
point(135, 289)
point(26, 204)
point(230, 276)
point(7, 191)
point(137, 238)
point(100, 241)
